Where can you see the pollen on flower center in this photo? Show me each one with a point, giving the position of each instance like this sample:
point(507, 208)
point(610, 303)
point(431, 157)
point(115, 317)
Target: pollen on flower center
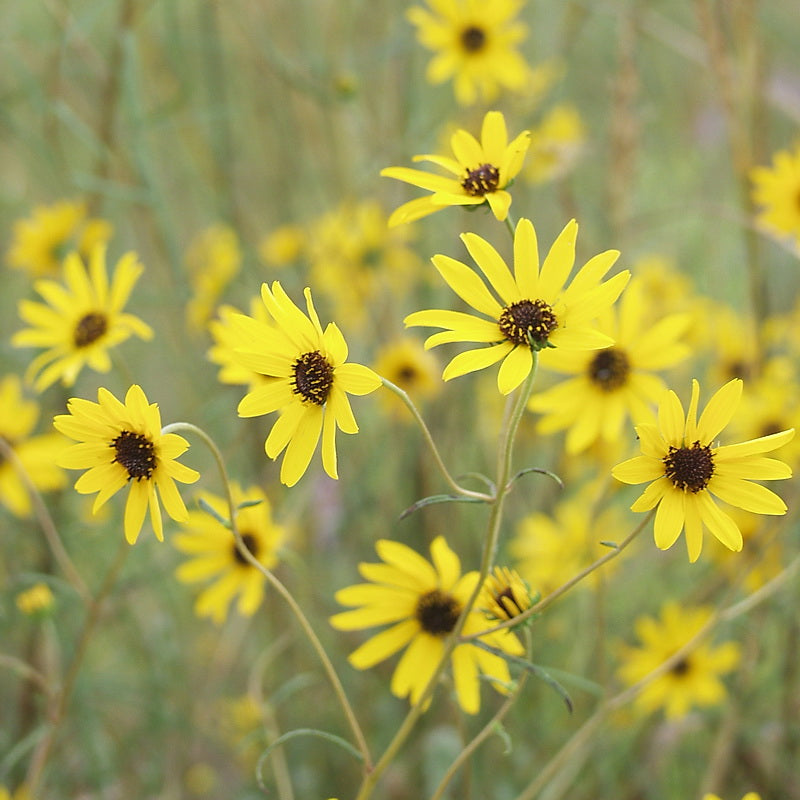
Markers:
point(689, 467)
point(313, 377)
point(437, 612)
point(609, 369)
point(251, 543)
point(136, 454)
point(482, 180)
point(473, 38)
point(528, 322)
point(89, 329)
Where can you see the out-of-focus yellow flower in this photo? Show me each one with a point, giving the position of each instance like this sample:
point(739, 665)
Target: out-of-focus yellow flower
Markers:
point(36, 600)
point(360, 263)
point(775, 190)
point(694, 680)
point(41, 242)
point(283, 246)
point(213, 259)
point(408, 365)
point(36, 454)
point(556, 145)
point(475, 45)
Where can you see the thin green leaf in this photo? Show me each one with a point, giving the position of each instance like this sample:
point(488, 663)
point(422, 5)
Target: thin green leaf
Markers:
point(212, 513)
point(438, 498)
point(538, 471)
point(330, 737)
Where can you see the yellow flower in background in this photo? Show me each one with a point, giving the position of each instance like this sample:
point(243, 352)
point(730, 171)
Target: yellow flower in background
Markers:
point(616, 384)
point(223, 331)
point(122, 444)
point(408, 365)
point(732, 340)
point(21, 793)
point(480, 172)
point(213, 259)
point(535, 309)
point(748, 796)
point(549, 549)
point(775, 190)
point(283, 246)
point(35, 600)
point(308, 381)
point(81, 320)
point(36, 454)
point(422, 601)
point(41, 242)
point(475, 45)
point(556, 144)
point(360, 263)
point(213, 554)
point(686, 471)
point(694, 681)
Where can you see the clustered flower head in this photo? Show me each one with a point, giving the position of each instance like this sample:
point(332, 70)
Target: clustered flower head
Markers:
point(307, 379)
point(531, 308)
point(122, 444)
point(686, 470)
point(480, 172)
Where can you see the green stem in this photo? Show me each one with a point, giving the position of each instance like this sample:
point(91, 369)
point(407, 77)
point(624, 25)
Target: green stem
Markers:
point(432, 445)
point(280, 588)
point(511, 225)
point(490, 545)
point(58, 709)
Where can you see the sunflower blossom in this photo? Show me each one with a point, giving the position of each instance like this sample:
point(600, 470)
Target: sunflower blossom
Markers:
point(617, 383)
point(422, 602)
point(36, 454)
point(692, 681)
point(212, 552)
point(474, 44)
point(40, 242)
point(307, 381)
point(535, 309)
point(775, 190)
point(687, 471)
point(122, 444)
point(480, 172)
point(80, 321)
point(748, 796)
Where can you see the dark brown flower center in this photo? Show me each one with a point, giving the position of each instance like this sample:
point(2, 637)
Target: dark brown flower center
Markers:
point(481, 181)
point(251, 542)
point(506, 601)
point(406, 375)
point(437, 612)
point(528, 322)
point(609, 369)
point(689, 467)
point(681, 668)
point(135, 453)
point(89, 329)
point(313, 377)
point(473, 39)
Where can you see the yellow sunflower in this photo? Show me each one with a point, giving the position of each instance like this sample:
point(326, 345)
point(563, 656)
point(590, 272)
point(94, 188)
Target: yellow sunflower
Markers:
point(776, 190)
point(614, 384)
point(687, 470)
point(535, 309)
point(694, 680)
point(36, 454)
point(480, 172)
point(40, 242)
point(307, 381)
point(213, 553)
point(475, 45)
point(422, 602)
point(122, 444)
point(80, 320)
point(407, 364)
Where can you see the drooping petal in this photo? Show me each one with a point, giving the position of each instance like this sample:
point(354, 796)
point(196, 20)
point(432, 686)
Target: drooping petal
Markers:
point(473, 360)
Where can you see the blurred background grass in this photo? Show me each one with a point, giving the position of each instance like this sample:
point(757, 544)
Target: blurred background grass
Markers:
point(170, 115)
